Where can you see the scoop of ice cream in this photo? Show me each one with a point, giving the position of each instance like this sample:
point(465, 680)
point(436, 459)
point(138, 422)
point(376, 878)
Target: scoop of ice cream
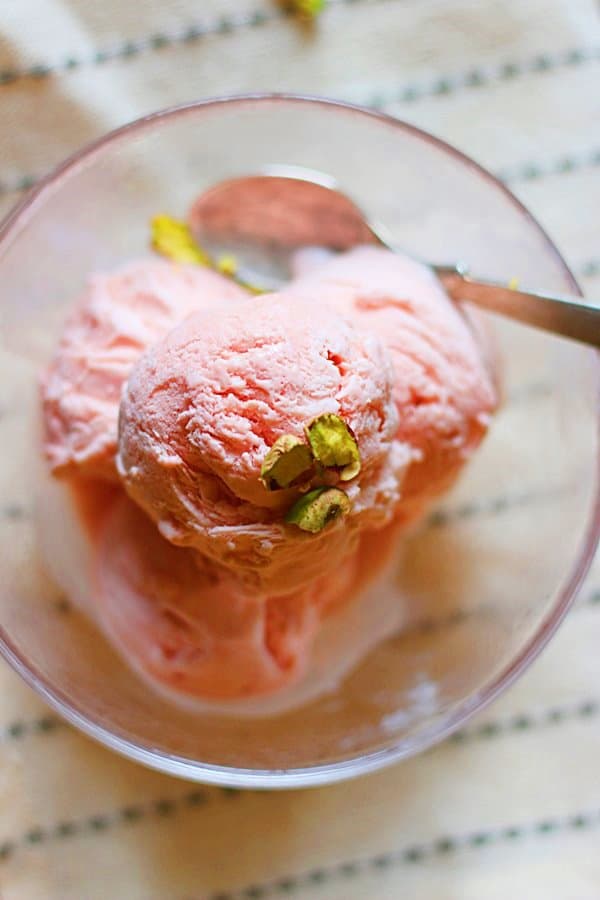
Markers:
point(203, 407)
point(118, 316)
point(162, 607)
point(444, 390)
point(186, 624)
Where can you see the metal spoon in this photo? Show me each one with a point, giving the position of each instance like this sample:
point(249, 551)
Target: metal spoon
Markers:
point(264, 218)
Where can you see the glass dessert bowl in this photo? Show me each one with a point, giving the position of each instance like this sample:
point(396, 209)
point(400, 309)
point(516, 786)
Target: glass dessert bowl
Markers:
point(481, 584)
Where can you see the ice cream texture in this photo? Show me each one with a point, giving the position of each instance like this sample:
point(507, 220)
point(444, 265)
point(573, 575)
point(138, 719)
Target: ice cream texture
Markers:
point(119, 315)
point(443, 387)
point(200, 573)
point(202, 408)
point(186, 624)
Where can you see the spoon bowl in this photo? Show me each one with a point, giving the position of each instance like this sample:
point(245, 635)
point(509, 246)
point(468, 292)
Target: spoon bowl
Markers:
point(262, 219)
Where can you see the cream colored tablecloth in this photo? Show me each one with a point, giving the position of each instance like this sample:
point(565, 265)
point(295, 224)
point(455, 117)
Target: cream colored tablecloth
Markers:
point(511, 807)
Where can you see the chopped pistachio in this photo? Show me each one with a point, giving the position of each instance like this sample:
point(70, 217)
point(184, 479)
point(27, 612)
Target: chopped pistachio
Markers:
point(308, 8)
point(227, 265)
point(334, 445)
point(173, 239)
point(289, 462)
point(315, 509)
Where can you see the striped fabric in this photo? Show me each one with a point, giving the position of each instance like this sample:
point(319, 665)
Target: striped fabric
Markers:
point(510, 807)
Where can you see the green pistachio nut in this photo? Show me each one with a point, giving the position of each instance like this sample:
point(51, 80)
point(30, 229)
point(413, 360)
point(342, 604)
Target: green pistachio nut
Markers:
point(334, 445)
point(289, 462)
point(315, 509)
point(308, 8)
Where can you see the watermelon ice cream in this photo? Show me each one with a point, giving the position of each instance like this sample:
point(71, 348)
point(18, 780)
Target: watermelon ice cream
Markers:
point(258, 456)
point(192, 625)
point(119, 315)
point(444, 380)
point(202, 408)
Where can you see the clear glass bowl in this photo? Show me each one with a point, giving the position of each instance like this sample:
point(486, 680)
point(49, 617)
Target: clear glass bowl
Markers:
point(485, 581)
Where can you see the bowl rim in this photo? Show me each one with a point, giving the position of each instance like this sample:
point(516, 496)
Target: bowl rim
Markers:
point(326, 773)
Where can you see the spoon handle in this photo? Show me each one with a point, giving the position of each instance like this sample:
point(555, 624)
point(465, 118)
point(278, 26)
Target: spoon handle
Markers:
point(572, 317)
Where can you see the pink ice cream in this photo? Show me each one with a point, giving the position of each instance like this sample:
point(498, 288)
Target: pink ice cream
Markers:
point(189, 626)
point(187, 623)
point(444, 387)
point(203, 406)
point(118, 316)
point(196, 577)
